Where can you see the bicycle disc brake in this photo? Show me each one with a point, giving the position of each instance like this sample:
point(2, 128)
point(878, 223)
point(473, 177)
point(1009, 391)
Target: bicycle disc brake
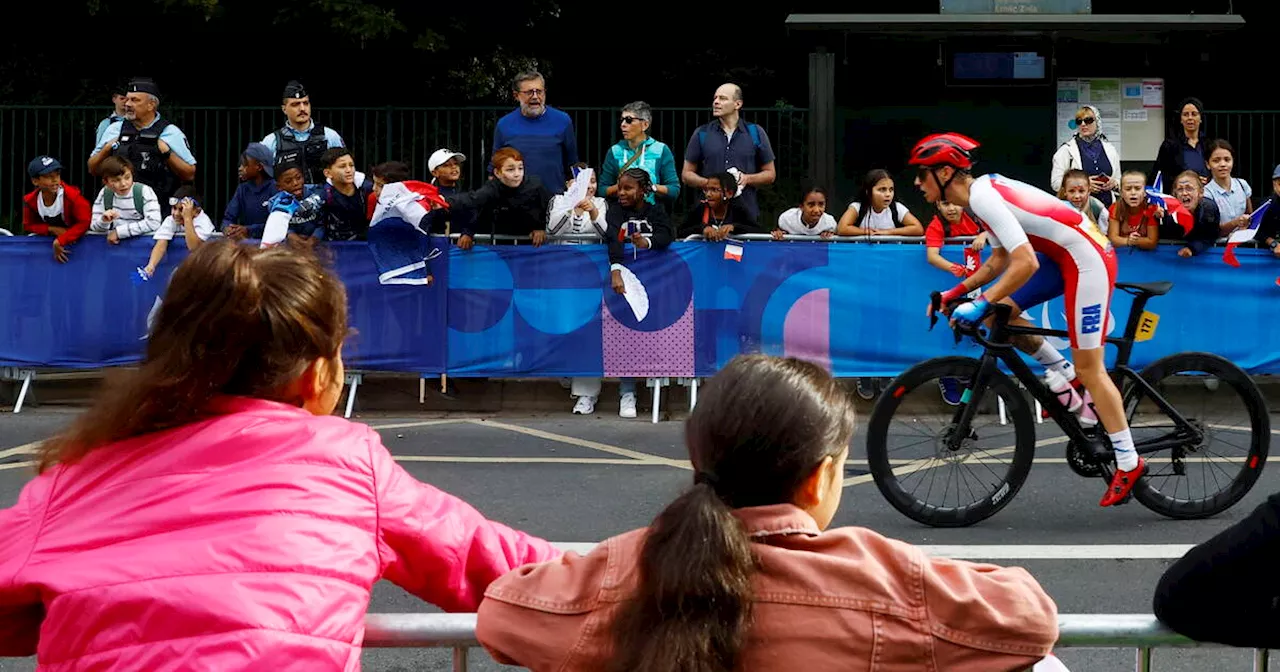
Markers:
point(1081, 463)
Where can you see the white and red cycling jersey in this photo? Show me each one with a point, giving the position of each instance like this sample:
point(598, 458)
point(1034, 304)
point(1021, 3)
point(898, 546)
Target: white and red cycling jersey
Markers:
point(1083, 262)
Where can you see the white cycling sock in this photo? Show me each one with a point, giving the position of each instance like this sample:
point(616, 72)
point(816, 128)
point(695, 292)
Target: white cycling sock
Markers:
point(1052, 360)
point(1126, 456)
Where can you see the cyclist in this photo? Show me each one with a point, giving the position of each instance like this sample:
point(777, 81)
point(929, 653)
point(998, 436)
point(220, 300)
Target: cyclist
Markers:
point(1041, 248)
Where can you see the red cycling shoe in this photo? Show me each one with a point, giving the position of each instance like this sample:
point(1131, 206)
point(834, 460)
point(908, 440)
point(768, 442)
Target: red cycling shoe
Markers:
point(1122, 483)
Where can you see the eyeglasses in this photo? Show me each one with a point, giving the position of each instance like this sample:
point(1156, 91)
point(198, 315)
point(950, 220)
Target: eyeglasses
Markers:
point(533, 92)
point(632, 120)
point(1086, 121)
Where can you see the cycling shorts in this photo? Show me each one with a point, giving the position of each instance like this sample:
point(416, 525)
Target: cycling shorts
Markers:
point(1087, 281)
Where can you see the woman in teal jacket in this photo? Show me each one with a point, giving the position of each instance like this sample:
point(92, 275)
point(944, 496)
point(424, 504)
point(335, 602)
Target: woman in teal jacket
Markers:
point(638, 150)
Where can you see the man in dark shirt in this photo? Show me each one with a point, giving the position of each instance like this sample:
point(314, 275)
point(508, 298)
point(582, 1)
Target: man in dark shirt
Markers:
point(345, 203)
point(730, 144)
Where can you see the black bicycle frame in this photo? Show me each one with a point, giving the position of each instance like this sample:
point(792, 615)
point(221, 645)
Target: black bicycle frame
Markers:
point(998, 348)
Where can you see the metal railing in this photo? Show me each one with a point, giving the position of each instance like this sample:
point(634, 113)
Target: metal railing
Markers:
point(1140, 632)
point(218, 135)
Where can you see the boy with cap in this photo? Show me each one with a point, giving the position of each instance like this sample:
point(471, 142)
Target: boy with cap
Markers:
point(446, 174)
point(301, 141)
point(54, 208)
point(246, 213)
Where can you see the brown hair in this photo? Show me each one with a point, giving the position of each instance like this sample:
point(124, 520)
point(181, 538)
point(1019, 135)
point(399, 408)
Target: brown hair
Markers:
point(762, 427)
point(114, 166)
point(1122, 208)
point(1077, 174)
point(503, 155)
point(1220, 144)
point(236, 320)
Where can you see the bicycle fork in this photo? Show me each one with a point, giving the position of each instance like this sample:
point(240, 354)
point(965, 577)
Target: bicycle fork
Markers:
point(969, 402)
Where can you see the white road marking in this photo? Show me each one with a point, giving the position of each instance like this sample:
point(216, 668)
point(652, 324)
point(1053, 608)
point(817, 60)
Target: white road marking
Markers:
point(422, 423)
point(525, 460)
point(24, 449)
point(16, 465)
point(594, 445)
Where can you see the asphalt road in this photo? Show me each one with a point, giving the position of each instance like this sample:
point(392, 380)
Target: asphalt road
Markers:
point(581, 499)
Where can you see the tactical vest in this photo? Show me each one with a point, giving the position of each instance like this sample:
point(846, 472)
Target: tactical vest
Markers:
point(142, 149)
point(306, 154)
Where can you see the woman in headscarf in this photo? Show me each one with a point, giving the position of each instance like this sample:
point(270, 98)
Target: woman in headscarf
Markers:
point(1090, 151)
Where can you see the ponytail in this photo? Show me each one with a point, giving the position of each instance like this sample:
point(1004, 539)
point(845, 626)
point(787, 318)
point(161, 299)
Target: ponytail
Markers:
point(693, 603)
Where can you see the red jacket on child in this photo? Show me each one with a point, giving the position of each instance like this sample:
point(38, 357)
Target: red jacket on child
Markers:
point(75, 215)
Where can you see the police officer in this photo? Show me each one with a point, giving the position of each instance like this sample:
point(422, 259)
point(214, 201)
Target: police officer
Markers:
point(158, 149)
point(301, 140)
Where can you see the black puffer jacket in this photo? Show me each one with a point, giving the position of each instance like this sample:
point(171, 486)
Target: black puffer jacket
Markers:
point(503, 210)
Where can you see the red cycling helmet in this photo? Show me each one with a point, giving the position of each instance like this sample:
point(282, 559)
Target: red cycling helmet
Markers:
point(944, 149)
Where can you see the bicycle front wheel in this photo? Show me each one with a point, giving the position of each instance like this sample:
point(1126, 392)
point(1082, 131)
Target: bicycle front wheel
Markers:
point(1201, 478)
point(908, 443)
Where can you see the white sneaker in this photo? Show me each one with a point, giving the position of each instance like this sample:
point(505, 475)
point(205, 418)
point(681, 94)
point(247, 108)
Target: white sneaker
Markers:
point(627, 405)
point(585, 406)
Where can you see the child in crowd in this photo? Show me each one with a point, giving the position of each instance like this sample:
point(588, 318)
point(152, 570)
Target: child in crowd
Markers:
point(1206, 220)
point(512, 204)
point(187, 215)
point(246, 213)
point(587, 216)
point(54, 208)
point(951, 221)
point(1233, 196)
point(877, 213)
point(1134, 216)
point(345, 203)
point(810, 218)
point(1076, 190)
point(446, 174)
point(385, 173)
point(1269, 230)
point(123, 208)
point(721, 213)
point(298, 203)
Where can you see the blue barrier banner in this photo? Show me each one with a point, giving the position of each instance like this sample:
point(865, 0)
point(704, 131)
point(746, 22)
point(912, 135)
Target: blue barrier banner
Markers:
point(857, 309)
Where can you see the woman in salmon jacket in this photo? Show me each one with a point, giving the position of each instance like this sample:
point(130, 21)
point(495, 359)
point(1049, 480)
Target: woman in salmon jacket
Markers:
point(741, 573)
point(208, 512)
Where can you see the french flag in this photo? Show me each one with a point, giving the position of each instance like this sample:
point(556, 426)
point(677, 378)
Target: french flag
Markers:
point(1171, 205)
point(1244, 235)
point(401, 250)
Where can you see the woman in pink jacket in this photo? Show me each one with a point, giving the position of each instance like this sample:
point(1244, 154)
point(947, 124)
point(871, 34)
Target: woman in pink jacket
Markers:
point(740, 572)
point(209, 513)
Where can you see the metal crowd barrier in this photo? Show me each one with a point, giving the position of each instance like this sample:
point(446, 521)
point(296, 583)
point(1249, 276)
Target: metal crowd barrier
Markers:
point(901, 240)
point(1141, 632)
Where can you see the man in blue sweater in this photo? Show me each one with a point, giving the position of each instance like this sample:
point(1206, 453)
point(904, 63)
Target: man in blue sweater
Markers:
point(543, 134)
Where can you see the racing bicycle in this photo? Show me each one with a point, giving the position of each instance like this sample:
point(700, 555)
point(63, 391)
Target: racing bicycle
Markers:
point(986, 443)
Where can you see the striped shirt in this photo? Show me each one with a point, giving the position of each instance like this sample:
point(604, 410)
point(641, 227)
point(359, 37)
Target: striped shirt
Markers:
point(130, 222)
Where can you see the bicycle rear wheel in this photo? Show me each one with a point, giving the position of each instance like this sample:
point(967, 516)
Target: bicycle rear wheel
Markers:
point(1204, 478)
point(973, 483)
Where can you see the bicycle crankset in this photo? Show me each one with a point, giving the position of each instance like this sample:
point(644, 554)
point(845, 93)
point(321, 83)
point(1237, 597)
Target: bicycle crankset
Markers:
point(1082, 462)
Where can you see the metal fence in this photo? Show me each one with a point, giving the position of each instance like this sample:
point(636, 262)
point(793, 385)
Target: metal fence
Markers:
point(1140, 632)
point(1255, 135)
point(218, 135)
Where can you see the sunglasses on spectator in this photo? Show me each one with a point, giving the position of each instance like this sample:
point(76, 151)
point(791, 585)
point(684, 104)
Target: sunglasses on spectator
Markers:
point(533, 92)
point(632, 120)
point(1086, 121)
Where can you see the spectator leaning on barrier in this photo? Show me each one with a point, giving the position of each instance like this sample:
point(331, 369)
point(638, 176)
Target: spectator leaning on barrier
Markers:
point(512, 204)
point(647, 226)
point(157, 149)
point(743, 572)
point(876, 213)
point(1185, 148)
point(301, 140)
point(637, 150)
point(1090, 151)
point(543, 135)
point(1207, 221)
point(951, 221)
point(446, 174)
point(54, 208)
point(586, 217)
point(1077, 189)
point(728, 143)
point(345, 204)
point(189, 218)
point(302, 202)
point(1269, 229)
point(118, 98)
point(124, 208)
point(246, 212)
point(1233, 195)
point(209, 510)
point(719, 213)
point(810, 218)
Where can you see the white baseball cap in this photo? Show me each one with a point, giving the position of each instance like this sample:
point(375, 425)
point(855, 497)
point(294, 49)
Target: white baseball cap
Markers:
point(440, 156)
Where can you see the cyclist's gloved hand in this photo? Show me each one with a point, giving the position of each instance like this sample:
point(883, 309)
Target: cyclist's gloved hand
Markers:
point(970, 313)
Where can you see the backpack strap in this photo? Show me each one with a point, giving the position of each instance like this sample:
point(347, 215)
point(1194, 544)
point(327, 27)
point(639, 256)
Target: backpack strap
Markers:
point(139, 200)
point(893, 213)
point(108, 199)
point(755, 133)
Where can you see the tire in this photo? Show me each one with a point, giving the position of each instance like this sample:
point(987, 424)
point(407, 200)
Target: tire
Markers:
point(1258, 445)
point(887, 481)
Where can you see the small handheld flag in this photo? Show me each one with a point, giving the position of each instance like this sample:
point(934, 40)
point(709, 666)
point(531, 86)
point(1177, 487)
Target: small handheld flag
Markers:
point(1244, 235)
point(1171, 205)
point(139, 276)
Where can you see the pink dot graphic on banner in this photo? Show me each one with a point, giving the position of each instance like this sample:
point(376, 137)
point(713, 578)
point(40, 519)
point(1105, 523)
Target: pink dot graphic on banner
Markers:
point(806, 331)
point(667, 352)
